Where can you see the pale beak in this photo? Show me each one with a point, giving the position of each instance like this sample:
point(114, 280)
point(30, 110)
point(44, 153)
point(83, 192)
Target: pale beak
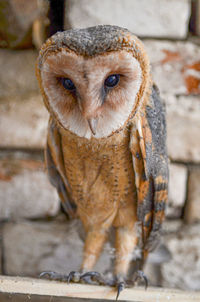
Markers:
point(93, 124)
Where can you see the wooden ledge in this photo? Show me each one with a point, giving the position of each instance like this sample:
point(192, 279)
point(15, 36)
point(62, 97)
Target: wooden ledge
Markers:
point(45, 290)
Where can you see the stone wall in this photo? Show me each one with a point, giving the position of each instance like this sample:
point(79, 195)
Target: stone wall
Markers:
point(34, 233)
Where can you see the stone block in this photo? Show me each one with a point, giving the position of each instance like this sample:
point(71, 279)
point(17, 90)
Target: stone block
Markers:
point(172, 226)
point(183, 270)
point(25, 191)
point(152, 268)
point(183, 126)
point(32, 247)
point(153, 273)
point(23, 122)
point(17, 72)
point(19, 20)
point(177, 190)
point(146, 18)
point(192, 210)
point(161, 255)
point(175, 66)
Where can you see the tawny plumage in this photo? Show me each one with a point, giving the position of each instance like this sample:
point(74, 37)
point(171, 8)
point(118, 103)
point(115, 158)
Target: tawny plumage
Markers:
point(106, 149)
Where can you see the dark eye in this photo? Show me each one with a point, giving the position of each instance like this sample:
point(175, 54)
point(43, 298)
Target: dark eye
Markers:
point(112, 80)
point(68, 84)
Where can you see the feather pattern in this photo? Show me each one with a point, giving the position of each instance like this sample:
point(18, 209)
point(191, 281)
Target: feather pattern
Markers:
point(151, 168)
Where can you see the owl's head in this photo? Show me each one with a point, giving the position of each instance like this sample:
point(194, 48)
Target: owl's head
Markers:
point(93, 80)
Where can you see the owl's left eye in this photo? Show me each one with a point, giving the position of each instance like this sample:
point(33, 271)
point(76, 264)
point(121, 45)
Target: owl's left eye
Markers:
point(68, 84)
point(112, 80)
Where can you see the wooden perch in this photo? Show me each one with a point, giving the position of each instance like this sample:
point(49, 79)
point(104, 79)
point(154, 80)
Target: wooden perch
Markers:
point(27, 289)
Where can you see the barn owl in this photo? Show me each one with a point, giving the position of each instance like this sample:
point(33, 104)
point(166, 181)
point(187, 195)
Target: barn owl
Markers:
point(106, 145)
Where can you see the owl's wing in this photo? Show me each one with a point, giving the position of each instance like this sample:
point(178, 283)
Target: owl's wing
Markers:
point(148, 147)
point(55, 168)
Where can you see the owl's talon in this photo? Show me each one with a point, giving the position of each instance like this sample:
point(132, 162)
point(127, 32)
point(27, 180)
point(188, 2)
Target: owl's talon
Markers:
point(96, 277)
point(43, 274)
point(140, 275)
point(146, 282)
point(74, 276)
point(120, 288)
point(77, 277)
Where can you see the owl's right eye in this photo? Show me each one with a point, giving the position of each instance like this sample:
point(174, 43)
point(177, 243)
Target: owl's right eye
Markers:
point(68, 84)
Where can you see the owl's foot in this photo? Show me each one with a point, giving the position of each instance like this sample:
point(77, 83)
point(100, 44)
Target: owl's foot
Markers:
point(97, 278)
point(88, 278)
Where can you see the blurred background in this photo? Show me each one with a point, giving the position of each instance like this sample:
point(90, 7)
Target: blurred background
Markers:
point(34, 233)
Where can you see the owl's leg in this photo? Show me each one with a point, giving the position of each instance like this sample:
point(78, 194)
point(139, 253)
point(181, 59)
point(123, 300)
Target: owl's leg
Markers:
point(126, 242)
point(94, 242)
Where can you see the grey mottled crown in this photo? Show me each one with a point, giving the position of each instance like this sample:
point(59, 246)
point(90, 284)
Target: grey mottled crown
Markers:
point(92, 40)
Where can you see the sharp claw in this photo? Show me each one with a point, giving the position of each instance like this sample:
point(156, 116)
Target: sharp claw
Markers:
point(46, 274)
point(70, 276)
point(96, 277)
point(120, 288)
point(91, 274)
point(75, 276)
point(141, 275)
point(89, 277)
point(42, 274)
point(145, 281)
